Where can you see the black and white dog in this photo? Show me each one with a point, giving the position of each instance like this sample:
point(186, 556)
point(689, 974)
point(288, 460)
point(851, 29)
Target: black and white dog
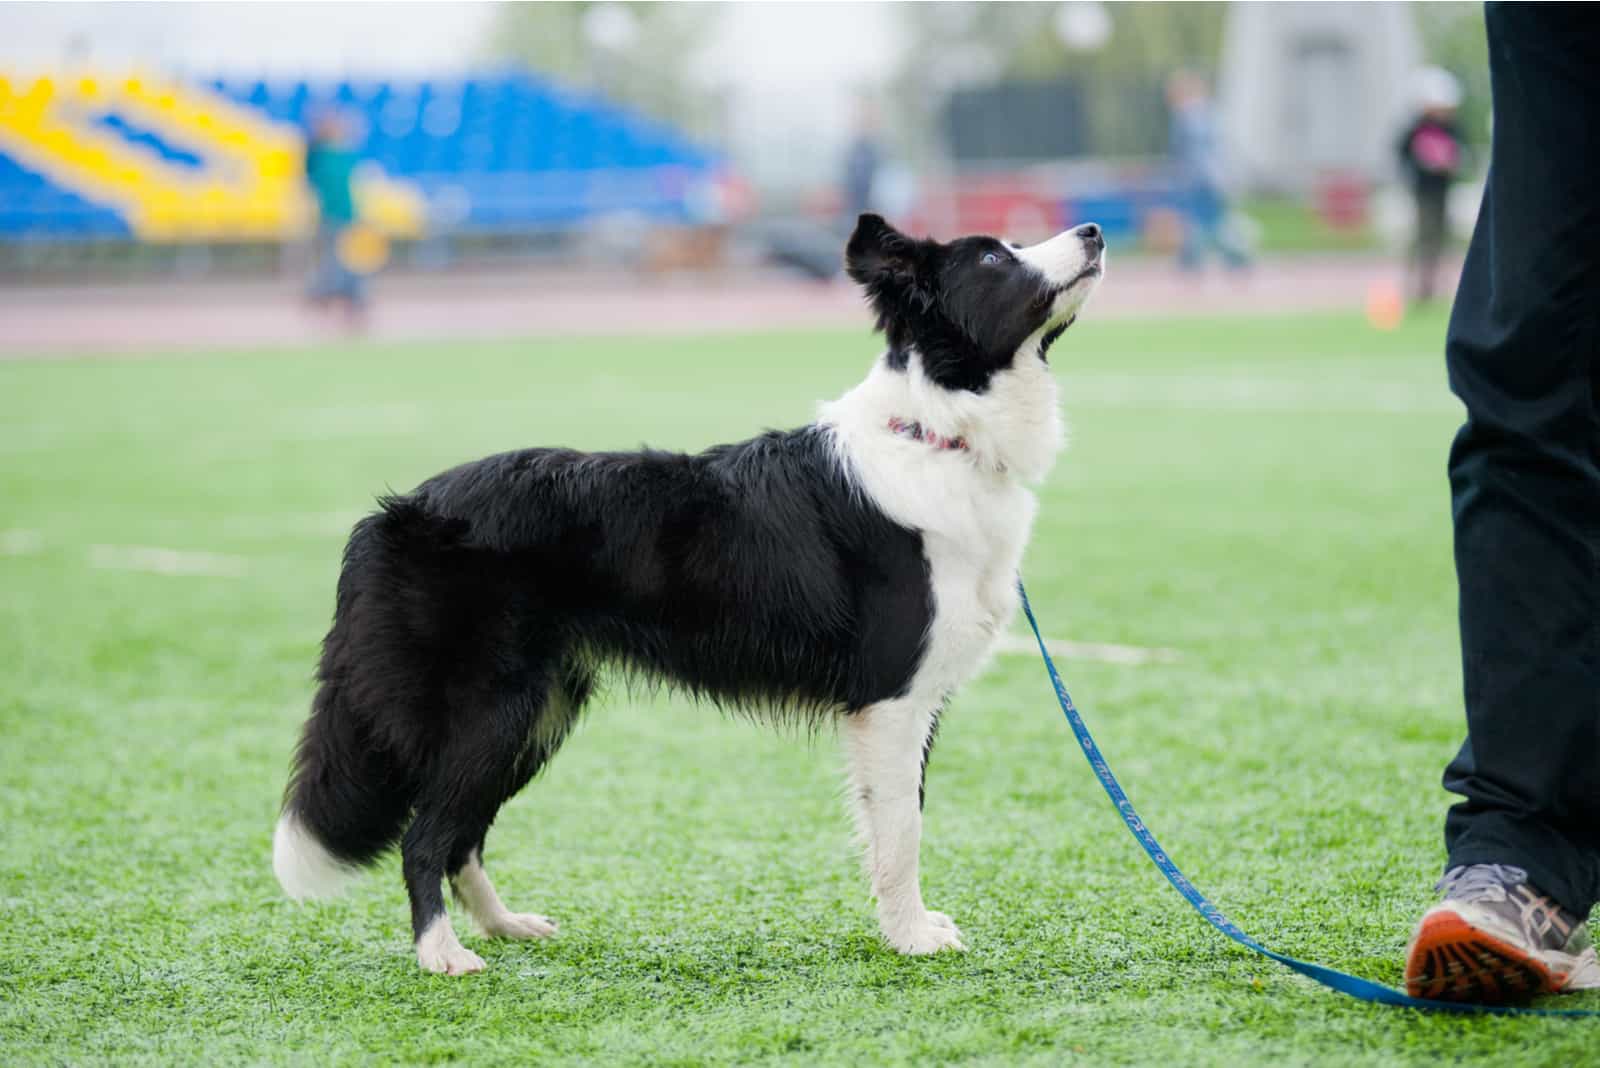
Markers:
point(861, 567)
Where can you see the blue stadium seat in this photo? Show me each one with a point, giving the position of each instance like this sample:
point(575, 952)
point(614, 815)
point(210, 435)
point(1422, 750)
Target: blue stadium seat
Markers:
point(31, 206)
point(523, 151)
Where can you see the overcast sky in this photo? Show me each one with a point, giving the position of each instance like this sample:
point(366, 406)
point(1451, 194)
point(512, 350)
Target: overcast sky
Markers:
point(247, 38)
point(753, 44)
point(793, 71)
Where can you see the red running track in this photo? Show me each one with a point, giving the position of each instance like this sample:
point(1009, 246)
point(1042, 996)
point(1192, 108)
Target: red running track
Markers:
point(207, 317)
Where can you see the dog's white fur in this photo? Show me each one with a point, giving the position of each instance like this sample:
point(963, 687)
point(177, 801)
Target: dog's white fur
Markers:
point(483, 904)
point(975, 511)
point(441, 952)
point(303, 865)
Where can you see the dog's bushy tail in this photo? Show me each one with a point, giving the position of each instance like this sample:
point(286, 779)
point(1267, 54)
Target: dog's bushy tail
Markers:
point(348, 798)
point(343, 807)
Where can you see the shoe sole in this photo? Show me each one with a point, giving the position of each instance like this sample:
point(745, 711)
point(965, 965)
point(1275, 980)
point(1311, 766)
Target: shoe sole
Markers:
point(1451, 960)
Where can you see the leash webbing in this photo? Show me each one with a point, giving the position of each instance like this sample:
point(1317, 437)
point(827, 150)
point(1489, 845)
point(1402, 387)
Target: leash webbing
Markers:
point(1355, 986)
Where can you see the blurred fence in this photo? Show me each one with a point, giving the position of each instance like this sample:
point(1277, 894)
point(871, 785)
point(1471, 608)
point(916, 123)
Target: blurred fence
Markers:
point(1058, 119)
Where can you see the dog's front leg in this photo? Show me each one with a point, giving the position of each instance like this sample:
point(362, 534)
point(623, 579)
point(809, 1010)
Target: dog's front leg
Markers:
point(885, 744)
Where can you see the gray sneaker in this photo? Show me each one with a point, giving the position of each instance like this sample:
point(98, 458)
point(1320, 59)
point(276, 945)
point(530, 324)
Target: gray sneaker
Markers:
point(1495, 938)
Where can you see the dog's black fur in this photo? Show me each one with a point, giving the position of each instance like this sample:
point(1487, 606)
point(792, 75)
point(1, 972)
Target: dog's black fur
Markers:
point(473, 612)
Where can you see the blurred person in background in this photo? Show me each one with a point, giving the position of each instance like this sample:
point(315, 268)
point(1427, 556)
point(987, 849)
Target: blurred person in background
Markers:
point(1523, 352)
point(1431, 158)
point(330, 166)
point(862, 161)
point(1197, 163)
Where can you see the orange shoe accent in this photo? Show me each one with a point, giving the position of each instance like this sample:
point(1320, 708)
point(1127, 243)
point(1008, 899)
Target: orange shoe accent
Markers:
point(1451, 960)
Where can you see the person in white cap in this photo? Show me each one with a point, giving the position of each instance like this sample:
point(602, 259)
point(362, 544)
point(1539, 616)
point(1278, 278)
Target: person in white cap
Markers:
point(1432, 157)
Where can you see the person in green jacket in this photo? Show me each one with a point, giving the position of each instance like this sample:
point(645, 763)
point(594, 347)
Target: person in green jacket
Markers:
point(330, 164)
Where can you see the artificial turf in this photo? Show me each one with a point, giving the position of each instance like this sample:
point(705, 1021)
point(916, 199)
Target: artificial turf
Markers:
point(1265, 496)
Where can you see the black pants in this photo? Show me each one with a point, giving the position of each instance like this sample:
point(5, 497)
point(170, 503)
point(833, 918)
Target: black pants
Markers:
point(1525, 469)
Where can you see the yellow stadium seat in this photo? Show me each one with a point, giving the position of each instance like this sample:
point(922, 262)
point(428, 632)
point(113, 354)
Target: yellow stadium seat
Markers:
point(26, 111)
point(251, 183)
point(278, 164)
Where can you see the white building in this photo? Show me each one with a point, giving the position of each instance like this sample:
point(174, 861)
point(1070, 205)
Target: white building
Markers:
point(1310, 89)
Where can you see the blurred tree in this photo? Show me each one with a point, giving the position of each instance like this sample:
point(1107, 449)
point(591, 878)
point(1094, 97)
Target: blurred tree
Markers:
point(1453, 38)
point(1146, 42)
point(636, 53)
point(1131, 48)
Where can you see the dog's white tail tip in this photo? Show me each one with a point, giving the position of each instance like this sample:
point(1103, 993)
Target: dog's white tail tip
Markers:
point(303, 865)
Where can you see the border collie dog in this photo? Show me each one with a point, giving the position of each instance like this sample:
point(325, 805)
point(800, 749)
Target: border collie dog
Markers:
point(860, 569)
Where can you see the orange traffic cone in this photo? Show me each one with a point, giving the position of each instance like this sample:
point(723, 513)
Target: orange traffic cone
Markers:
point(1385, 306)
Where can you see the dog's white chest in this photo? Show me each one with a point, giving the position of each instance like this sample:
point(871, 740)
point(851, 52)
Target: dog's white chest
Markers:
point(973, 571)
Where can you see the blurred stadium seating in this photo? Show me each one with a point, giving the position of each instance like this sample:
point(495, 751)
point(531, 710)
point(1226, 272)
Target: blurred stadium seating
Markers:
point(107, 156)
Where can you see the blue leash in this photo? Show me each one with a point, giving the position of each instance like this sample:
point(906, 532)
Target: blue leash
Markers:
point(1356, 987)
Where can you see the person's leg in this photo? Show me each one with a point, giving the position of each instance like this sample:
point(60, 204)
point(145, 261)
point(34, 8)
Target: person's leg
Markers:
point(353, 289)
point(348, 286)
point(325, 264)
point(1235, 255)
point(1522, 353)
point(1413, 262)
point(1230, 243)
point(1196, 230)
point(1431, 226)
point(1524, 845)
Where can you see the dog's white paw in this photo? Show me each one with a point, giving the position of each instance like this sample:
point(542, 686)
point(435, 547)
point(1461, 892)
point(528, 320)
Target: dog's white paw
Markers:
point(441, 952)
point(930, 933)
point(449, 960)
point(519, 925)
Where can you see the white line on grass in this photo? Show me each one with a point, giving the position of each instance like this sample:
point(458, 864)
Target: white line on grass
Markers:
point(20, 542)
point(1105, 652)
point(159, 561)
point(165, 561)
point(285, 523)
point(1229, 392)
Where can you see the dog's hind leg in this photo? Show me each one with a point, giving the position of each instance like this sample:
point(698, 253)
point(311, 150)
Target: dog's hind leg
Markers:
point(438, 948)
point(887, 745)
point(551, 724)
point(444, 809)
point(470, 776)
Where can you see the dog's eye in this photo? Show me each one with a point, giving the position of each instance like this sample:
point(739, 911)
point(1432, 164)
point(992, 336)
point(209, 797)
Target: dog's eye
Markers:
point(990, 258)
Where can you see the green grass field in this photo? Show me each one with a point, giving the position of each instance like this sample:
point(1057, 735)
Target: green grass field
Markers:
point(1265, 496)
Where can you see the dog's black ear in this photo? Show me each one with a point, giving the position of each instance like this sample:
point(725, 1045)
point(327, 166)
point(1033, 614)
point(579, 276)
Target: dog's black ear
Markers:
point(877, 248)
point(889, 265)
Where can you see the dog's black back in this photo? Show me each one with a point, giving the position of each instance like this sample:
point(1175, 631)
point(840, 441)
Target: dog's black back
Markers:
point(748, 574)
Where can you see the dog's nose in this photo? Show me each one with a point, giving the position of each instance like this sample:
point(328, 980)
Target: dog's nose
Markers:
point(1092, 237)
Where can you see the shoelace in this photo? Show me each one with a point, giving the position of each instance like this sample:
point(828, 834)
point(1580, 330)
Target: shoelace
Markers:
point(1480, 882)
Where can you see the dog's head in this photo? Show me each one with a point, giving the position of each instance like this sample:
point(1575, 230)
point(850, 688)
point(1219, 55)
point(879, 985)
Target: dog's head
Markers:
point(972, 308)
